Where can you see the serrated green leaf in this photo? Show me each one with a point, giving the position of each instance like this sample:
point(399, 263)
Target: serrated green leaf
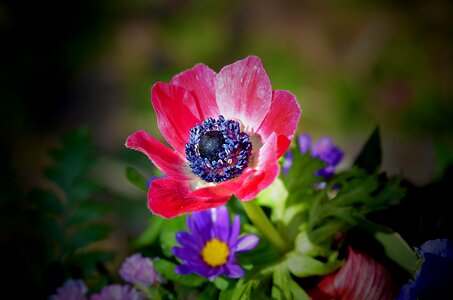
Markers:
point(370, 156)
point(167, 269)
point(135, 178)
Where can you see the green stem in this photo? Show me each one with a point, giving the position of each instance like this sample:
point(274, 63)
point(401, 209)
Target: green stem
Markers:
point(260, 220)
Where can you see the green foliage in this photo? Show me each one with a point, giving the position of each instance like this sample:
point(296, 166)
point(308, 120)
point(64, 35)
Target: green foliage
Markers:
point(67, 218)
point(135, 178)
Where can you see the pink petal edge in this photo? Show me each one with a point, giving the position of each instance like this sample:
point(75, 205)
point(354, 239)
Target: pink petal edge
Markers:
point(167, 160)
point(174, 116)
point(283, 119)
point(169, 198)
point(244, 92)
point(266, 171)
point(200, 82)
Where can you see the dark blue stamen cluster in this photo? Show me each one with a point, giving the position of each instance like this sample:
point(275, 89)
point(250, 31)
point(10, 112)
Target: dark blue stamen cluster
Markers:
point(218, 150)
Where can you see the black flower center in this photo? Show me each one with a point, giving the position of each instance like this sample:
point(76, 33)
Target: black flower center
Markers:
point(210, 145)
point(217, 150)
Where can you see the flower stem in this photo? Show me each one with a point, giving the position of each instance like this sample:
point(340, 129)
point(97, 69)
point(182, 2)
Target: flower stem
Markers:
point(261, 221)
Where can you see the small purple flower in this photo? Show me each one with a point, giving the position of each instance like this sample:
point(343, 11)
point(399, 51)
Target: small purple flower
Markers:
point(434, 279)
point(210, 247)
point(324, 149)
point(117, 292)
point(71, 290)
point(139, 269)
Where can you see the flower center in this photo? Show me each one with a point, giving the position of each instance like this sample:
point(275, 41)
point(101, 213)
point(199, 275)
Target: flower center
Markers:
point(211, 145)
point(215, 253)
point(217, 150)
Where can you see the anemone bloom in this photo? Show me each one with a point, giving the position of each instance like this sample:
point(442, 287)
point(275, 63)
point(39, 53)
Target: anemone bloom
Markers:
point(227, 131)
point(361, 277)
point(209, 250)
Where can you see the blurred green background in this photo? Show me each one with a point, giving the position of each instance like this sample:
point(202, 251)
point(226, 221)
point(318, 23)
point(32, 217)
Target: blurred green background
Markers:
point(352, 64)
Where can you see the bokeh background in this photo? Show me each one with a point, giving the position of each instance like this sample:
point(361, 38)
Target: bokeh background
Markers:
point(353, 65)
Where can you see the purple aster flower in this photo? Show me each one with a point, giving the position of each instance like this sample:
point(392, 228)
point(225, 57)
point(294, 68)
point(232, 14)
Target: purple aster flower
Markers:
point(210, 247)
point(71, 290)
point(324, 149)
point(117, 292)
point(434, 279)
point(139, 269)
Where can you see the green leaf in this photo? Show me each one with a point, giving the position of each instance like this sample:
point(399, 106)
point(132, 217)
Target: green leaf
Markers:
point(168, 231)
point(167, 269)
point(135, 178)
point(297, 291)
point(221, 283)
point(370, 156)
point(304, 265)
point(395, 247)
point(280, 283)
point(274, 197)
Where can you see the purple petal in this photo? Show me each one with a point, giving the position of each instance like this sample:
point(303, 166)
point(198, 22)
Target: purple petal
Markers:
point(189, 241)
point(287, 162)
point(234, 233)
point(202, 223)
point(247, 242)
point(185, 254)
point(234, 271)
point(221, 220)
point(183, 270)
point(304, 143)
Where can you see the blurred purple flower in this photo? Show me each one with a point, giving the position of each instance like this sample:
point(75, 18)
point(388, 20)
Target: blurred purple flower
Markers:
point(324, 149)
point(434, 279)
point(117, 292)
point(71, 290)
point(139, 269)
point(210, 247)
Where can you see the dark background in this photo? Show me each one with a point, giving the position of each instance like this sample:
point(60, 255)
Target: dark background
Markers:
point(352, 64)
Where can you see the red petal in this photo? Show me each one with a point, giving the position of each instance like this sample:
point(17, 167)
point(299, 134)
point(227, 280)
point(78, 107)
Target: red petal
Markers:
point(266, 170)
point(226, 188)
point(200, 81)
point(244, 92)
point(282, 119)
point(360, 278)
point(174, 117)
point(167, 160)
point(169, 198)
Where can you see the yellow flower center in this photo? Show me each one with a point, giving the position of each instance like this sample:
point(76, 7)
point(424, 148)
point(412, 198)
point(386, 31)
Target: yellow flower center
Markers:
point(215, 253)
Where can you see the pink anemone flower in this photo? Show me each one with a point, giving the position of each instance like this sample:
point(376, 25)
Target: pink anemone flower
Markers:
point(361, 277)
point(226, 130)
